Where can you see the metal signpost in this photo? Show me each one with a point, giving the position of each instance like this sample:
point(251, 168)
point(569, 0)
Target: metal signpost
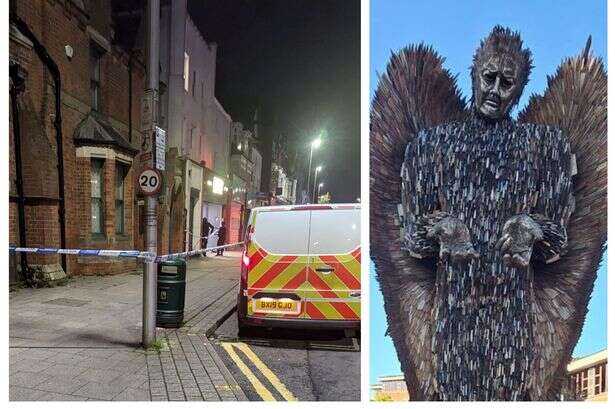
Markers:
point(160, 146)
point(147, 110)
point(150, 180)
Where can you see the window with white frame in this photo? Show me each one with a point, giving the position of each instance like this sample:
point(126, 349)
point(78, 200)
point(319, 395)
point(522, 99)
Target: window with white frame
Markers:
point(97, 195)
point(96, 54)
point(186, 71)
point(120, 175)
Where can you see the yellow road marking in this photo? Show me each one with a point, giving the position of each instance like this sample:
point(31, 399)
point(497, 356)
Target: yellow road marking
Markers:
point(260, 365)
point(258, 386)
point(268, 373)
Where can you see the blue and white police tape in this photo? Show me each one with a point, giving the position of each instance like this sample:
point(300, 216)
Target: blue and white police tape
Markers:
point(85, 252)
point(197, 240)
point(213, 233)
point(147, 256)
point(191, 253)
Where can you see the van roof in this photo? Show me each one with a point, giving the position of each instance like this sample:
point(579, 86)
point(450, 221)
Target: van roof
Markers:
point(307, 207)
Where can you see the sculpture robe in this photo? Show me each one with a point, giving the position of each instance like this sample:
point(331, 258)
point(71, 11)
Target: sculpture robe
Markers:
point(483, 174)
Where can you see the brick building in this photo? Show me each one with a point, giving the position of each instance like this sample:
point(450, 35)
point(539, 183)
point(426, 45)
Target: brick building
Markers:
point(588, 376)
point(390, 388)
point(586, 380)
point(197, 131)
point(101, 88)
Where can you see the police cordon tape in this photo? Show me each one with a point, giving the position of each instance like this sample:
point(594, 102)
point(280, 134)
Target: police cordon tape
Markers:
point(147, 256)
point(197, 240)
point(191, 253)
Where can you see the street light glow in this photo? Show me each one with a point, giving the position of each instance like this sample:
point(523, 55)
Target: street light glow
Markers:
point(315, 144)
point(321, 184)
point(319, 168)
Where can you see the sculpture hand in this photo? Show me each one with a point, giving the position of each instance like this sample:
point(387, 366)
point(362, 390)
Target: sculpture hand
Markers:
point(455, 241)
point(518, 237)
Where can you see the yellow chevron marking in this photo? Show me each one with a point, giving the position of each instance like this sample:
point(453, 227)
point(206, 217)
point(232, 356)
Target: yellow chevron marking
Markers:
point(354, 267)
point(306, 290)
point(355, 307)
point(310, 292)
point(261, 268)
point(287, 274)
point(327, 310)
point(332, 280)
point(252, 248)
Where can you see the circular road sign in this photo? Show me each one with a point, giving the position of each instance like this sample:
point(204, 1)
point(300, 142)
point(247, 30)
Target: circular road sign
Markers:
point(149, 181)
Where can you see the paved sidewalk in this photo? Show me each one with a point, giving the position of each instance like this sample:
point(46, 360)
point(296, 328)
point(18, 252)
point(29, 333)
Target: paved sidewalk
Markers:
point(81, 341)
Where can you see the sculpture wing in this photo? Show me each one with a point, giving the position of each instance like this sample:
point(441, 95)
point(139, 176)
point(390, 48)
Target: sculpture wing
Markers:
point(576, 102)
point(415, 93)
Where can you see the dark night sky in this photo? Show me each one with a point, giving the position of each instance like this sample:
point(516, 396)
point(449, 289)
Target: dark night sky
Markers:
point(299, 62)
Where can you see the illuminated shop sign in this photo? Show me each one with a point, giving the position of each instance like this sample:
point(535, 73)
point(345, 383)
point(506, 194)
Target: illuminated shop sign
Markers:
point(218, 186)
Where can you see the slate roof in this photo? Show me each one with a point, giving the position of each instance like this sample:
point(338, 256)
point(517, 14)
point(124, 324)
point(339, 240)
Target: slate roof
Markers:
point(95, 131)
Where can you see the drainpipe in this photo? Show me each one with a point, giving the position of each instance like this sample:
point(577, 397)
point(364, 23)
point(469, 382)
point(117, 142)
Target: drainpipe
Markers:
point(44, 56)
point(17, 86)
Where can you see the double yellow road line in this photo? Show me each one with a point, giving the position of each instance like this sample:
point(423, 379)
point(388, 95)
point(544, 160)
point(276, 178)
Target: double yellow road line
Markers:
point(258, 386)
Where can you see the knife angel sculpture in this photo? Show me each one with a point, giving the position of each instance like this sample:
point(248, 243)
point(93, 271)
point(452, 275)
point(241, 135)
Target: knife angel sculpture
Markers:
point(486, 231)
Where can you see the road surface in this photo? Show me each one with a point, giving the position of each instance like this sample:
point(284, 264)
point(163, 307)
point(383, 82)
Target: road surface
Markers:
point(291, 364)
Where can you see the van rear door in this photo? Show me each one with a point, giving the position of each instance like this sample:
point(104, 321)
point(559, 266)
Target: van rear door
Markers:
point(334, 273)
point(278, 263)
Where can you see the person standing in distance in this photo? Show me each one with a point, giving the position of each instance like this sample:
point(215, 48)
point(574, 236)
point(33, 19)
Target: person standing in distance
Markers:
point(206, 230)
point(221, 238)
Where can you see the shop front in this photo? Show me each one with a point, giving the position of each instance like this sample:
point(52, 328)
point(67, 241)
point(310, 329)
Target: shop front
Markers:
point(192, 209)
point(237, 213)
point(215, 188)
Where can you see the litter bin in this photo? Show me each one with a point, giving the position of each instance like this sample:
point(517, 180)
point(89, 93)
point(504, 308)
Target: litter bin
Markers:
point(171, 293)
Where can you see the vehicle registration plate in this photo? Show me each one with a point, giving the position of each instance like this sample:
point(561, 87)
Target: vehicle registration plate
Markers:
point(277, 306)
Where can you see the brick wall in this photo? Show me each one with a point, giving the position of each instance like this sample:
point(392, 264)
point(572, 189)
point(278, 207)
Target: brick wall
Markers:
point(42, 230)
point(13, 224)
point(57, 24)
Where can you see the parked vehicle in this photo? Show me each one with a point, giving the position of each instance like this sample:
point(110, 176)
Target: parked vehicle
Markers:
point(301, 267)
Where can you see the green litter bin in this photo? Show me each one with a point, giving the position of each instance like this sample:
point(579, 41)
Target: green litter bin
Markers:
point(171, 293)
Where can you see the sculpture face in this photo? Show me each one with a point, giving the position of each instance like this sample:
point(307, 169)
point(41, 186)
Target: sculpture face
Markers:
point(497, 87)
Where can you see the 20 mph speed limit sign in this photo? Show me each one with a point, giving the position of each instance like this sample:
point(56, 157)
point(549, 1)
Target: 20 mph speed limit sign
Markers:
point(149, 181)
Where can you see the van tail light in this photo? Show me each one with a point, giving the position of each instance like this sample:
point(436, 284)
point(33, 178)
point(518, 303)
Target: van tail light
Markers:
point(245, 265)
point(245, 259)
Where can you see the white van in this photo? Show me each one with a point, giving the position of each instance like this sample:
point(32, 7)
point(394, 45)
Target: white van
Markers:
point(301, 266)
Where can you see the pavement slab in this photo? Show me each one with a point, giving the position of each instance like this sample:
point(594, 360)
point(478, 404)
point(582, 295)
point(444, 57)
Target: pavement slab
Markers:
point(28, 379)
point(133, 394)
point(59, 384)
point(54, 396)
point(81, 341)
point(99, 390)
point(18, 393)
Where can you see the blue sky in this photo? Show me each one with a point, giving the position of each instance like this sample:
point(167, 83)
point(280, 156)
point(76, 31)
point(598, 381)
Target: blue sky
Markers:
point(552, 30)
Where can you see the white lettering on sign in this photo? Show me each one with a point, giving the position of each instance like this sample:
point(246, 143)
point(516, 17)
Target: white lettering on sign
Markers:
point(161, 138)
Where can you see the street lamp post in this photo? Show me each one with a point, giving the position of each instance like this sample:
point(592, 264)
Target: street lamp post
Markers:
point(318, 169)
point(315, 144)
point(318, 192)
point(151, 202)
